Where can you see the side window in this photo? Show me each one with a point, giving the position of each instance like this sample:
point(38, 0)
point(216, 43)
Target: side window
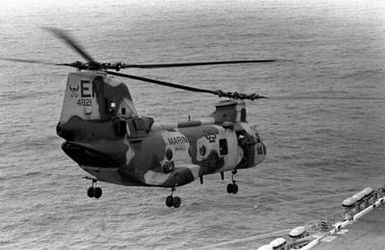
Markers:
point(223, 150)
point(243, 115)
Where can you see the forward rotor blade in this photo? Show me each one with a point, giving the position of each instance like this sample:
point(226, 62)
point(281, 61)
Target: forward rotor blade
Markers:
point(71, 42)
point(192, 64)
point(220, 93)
point(33, 61)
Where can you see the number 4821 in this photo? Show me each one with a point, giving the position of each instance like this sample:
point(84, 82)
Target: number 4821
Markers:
point(84, 102)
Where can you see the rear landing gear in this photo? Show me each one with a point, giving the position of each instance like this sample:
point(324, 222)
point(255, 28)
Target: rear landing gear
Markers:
point(232, 188)
point(93, 191)
point(173, 201)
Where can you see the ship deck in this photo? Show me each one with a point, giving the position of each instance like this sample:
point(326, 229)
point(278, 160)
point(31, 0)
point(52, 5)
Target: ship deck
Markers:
point(368, 232)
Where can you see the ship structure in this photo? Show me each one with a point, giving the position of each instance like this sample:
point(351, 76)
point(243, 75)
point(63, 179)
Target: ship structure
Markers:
point(362, 226)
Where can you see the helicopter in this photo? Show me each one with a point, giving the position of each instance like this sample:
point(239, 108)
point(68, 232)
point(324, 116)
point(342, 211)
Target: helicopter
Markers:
point(106, 137)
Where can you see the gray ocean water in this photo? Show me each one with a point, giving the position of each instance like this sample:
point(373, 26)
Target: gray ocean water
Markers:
point(323, 125)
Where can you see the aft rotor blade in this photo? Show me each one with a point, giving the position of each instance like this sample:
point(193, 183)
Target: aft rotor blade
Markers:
point(33, 61)
point(220, 93)
point(71, 42)
point(192, 64)
point(168, 84)
point(341, 98)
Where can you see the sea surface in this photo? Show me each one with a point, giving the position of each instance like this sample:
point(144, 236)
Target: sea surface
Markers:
point(323, 123)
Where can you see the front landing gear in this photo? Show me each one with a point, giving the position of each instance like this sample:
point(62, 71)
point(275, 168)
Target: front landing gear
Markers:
point(93, 191)
point(232, 188)
point(172, 201)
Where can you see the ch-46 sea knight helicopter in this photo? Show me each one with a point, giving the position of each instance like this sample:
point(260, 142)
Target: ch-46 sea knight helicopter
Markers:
point(106, 136)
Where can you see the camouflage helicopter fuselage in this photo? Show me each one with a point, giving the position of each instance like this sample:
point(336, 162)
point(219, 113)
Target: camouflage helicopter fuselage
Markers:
point(107, 138)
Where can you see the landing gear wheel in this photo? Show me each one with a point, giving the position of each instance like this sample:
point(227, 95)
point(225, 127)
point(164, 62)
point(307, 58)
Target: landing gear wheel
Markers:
point(169, 201)
point(177, 201)
point(172, 201)
point(229, 188)
point(98, 192)
point(235, 188)
point(232, 188)
point(91, 192)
